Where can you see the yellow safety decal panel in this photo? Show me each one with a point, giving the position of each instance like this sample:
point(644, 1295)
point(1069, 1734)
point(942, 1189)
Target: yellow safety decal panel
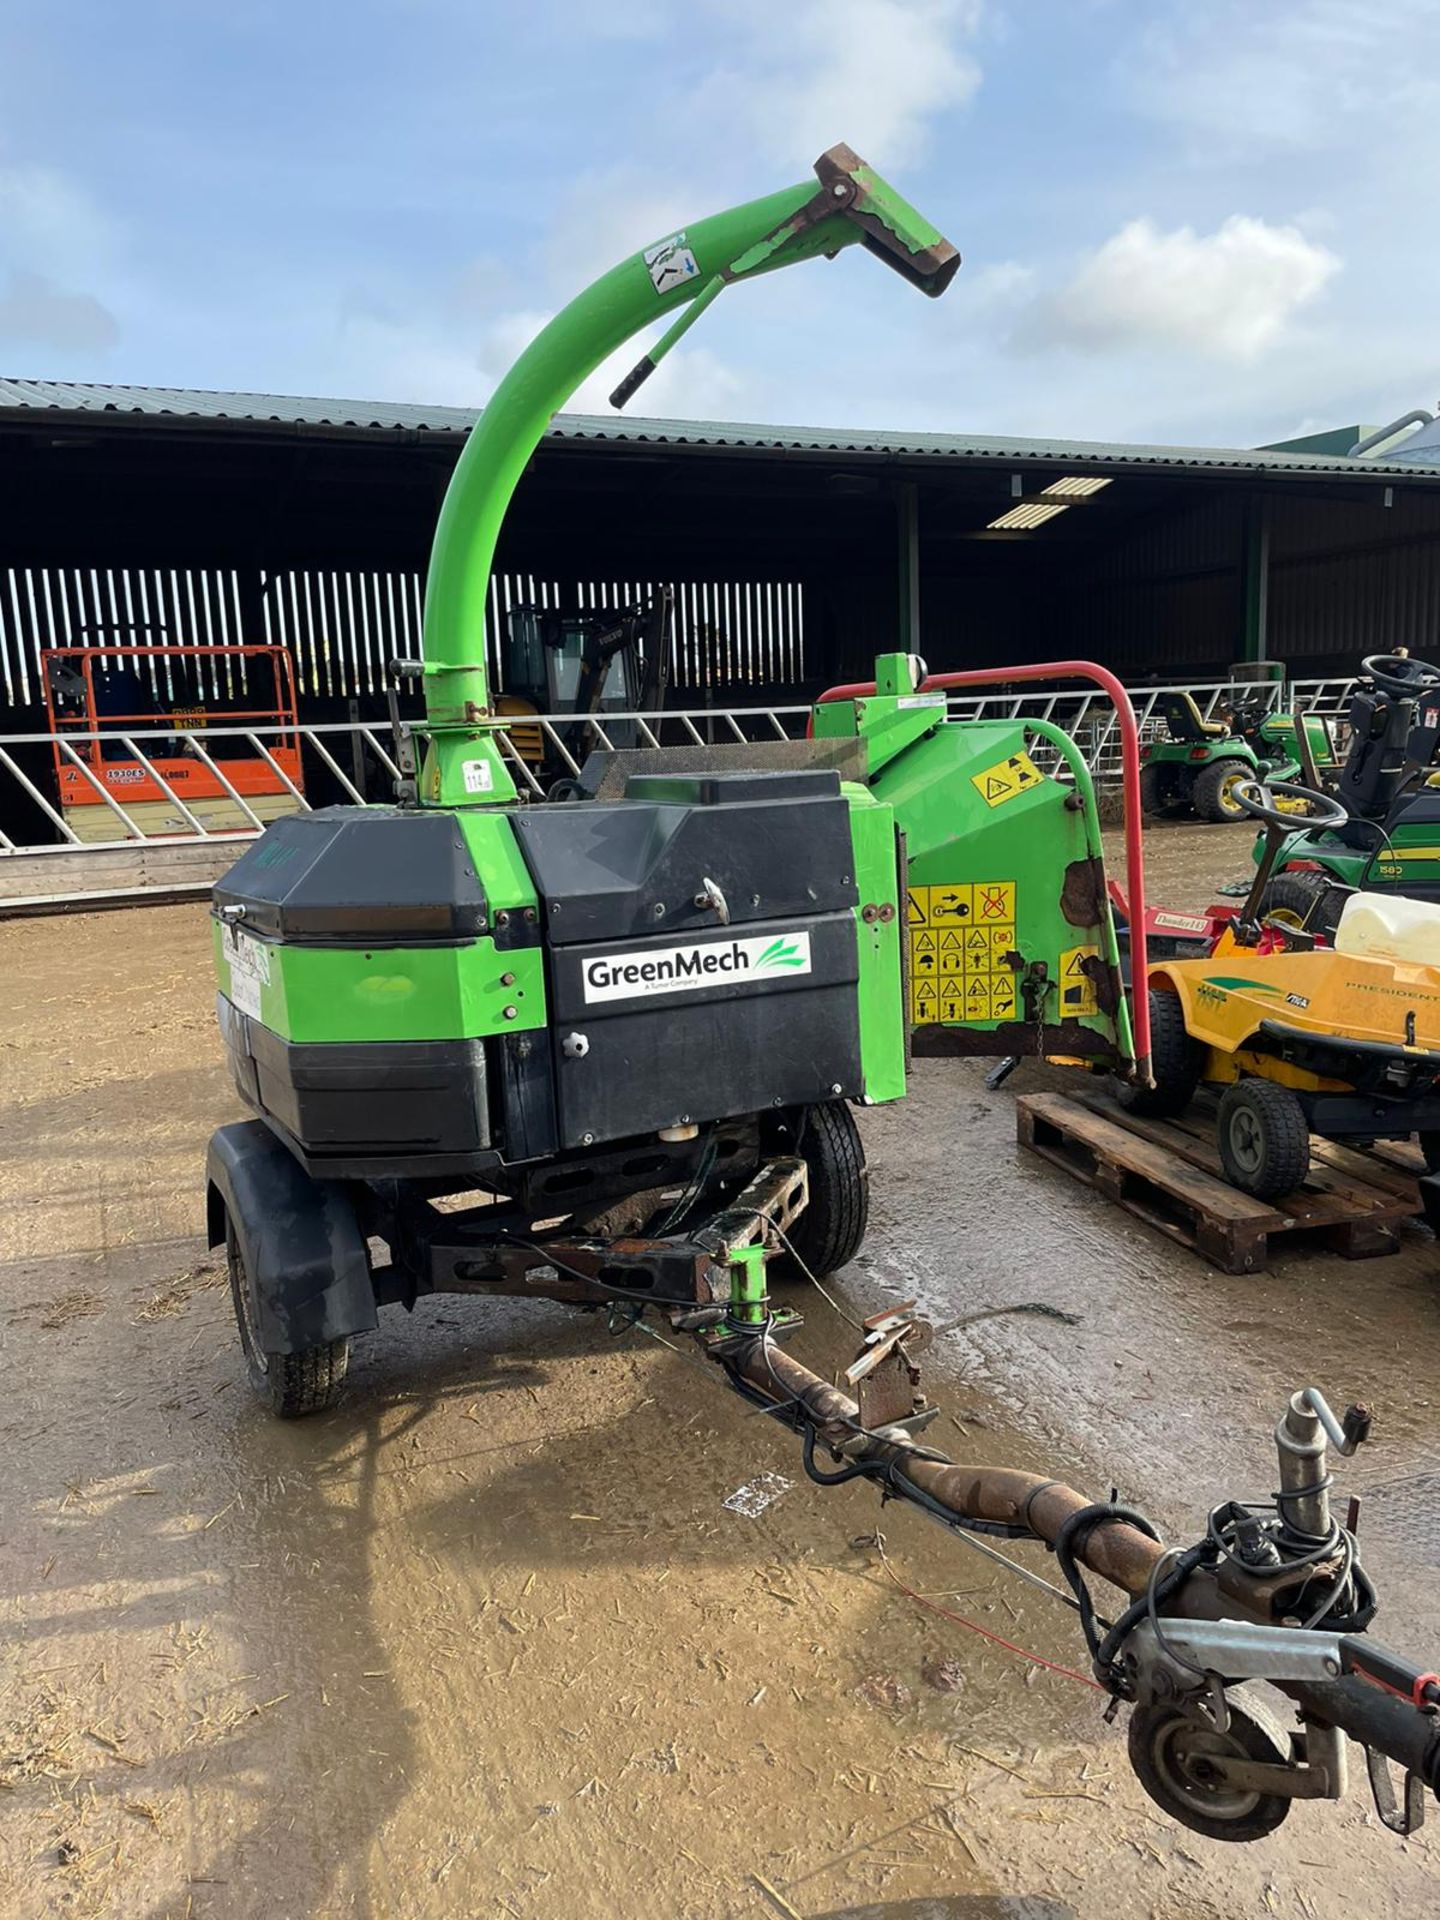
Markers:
point(1077, 989)
point(1006, 779)
point(959, 938)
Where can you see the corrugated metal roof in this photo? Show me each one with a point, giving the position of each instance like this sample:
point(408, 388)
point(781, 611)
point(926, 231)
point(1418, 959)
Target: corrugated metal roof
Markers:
point(1422, 449)
point(25, 397)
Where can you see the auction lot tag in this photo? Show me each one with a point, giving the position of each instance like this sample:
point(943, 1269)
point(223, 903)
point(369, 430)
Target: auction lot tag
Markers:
point(249, 962)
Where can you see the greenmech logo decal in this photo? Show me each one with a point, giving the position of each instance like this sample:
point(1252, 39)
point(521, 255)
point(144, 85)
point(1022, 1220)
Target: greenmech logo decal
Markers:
point(632, 975)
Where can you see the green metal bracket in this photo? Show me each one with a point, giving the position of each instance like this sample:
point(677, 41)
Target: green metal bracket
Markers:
point(462, 764)
point(749, 1300)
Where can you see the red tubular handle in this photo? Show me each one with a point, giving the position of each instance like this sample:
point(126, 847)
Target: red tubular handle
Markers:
point(1130, 771)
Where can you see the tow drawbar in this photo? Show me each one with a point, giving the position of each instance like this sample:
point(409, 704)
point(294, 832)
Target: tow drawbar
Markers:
point(1273, 1591)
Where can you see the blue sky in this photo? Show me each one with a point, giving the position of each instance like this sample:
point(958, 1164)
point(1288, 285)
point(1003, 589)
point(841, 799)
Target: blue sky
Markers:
point(1182, 220)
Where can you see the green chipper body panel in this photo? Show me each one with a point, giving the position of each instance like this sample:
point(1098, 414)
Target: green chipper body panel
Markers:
point(1009, 943)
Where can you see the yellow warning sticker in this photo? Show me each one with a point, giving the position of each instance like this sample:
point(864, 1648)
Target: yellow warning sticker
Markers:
point(959, 937)
point(1006, 779)
point(995, 902)
point(1077, 989)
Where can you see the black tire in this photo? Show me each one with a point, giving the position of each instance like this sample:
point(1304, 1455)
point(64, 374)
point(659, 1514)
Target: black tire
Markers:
point(1430, 1146)
point(1309, 901)
point(1163, 790)
point(1169, 1750)
point(1264, 1138)
point(1213, 800)
point(829, 1232)
point(290, 1384)
point(1175, 1062)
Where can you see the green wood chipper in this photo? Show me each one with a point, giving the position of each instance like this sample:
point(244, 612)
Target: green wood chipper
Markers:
point(606, 1051)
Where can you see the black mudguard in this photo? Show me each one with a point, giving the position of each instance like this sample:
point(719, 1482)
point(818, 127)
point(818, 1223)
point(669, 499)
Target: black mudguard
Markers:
point(302, 1243)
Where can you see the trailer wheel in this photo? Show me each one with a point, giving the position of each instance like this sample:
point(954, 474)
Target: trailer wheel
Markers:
point(829, 1232)
point(1215, 789)
point(1264, 1138)
point(290, 1384)
point(1175, 1061)
point(1173, 1754)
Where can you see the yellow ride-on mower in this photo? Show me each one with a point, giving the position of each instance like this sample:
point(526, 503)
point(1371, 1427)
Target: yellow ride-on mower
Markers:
point(1299, 1038)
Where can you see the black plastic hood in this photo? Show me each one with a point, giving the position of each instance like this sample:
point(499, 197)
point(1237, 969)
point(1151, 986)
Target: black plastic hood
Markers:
point(358, 876)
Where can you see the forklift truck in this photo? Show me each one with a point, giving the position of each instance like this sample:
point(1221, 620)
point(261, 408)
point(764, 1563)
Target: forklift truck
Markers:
point(597, 661)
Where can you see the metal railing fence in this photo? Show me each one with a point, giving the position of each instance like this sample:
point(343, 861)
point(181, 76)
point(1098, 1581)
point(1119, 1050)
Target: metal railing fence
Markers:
point(354, 762)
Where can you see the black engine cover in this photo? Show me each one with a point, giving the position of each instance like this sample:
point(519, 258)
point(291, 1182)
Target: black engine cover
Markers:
point(661, 1016)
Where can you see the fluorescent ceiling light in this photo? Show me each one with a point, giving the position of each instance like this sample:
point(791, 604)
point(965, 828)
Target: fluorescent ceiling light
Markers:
point(1030, 514)
point(1073, 486)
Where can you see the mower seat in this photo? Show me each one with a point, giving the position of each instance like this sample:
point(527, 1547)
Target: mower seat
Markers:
point(1417, 806)
point(1389, 926)
point(1184, 720)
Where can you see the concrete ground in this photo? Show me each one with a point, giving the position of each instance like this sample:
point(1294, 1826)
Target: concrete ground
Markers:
point(487, 1640)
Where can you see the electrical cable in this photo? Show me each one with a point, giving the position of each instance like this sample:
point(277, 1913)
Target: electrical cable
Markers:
point(825, 1294)
point(962, 1620)
point(1070, 1541)
point(966, 1535)
point(593, 1280)
point(1160, 1586)
point(1224, 1519)
point(692, 1192)
point(857, 1470)
point(1152, 1614)
point(967, 1530)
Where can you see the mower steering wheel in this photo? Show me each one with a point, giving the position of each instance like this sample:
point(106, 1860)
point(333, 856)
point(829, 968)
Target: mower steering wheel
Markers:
point(1398, 674)
point(1324, 815)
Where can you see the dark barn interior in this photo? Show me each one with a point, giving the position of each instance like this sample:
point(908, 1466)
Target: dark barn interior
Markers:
point(797, 554)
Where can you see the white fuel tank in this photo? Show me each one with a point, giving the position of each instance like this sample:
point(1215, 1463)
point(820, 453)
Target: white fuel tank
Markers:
point(1386, 926)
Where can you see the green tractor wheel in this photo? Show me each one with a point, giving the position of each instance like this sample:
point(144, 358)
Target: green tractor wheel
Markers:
point(1301, 900)
point(1175, 1062)
point(1215, 789)
point(1264, 1138)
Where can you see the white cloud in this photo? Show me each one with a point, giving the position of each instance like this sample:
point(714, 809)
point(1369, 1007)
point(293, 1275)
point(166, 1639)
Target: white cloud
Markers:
point(690, 384)
point(55, 242)
point(50, 226)
point(1228, 295)
point(612, 212)
point(445, 361)
point(874, 73)
point(34, 311)
point(1290, 75)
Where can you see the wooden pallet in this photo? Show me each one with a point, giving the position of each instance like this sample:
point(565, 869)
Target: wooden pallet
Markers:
point(1168, 1173)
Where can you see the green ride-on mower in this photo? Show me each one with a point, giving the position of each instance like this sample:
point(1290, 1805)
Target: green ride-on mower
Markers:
point(1389, 838)
point(1299, 1037)
point(606, 1053)
point(1201, 763)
